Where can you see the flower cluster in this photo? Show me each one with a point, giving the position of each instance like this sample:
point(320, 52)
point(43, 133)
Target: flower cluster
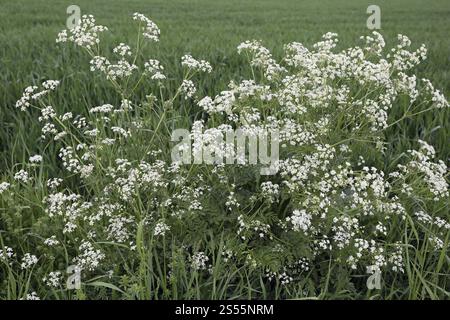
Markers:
point(199, 261)
point(121, 209)
point(189, 62)
point(32, 95)
point(85, 34)
point(155, 69)
point(150, 30)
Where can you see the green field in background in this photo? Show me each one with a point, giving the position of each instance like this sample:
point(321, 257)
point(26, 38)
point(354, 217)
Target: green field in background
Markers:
point(208, 30)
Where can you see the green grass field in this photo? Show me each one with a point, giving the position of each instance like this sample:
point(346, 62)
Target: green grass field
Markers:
point(209, 30)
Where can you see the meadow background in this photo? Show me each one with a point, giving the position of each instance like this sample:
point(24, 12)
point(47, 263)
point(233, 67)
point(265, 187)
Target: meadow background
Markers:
point(209, 30)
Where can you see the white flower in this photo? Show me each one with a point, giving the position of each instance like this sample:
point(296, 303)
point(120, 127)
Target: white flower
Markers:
point(301, 220)
point(6, 254)
point(25, 101)
point(270, 190)
point(30, 95)
point(188, 88)
point(199, 261)
point(28, 260)
point(155, 69)
point(223, 102)
point(261, 57)
point(99, 63)
point(22, 176)
point(89, 258)
point(4, 186)
point(47, 113)
point(150, 29)
point(118, 228)
point(35, 159)
point(53, 279)
point(50, 84)
point(438, 243)
point(439, 100)
point(52, 241)
point(161, 228)
point(105, 108)
point(84, 34)
point(122, 50)
point(189, 62)
point(32, 296)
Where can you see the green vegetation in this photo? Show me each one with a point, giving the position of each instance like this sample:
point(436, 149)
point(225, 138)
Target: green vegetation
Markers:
point(148, 266)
